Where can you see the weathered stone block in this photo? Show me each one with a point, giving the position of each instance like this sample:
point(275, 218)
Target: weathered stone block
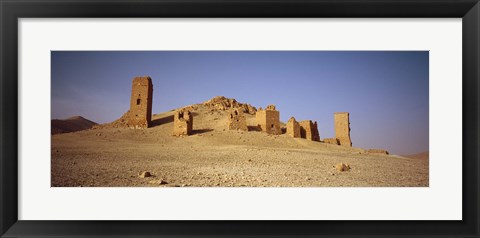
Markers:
point(342, 128)
point(309, 130)
point(270, 108)
point(236, 120)
point(293, 128)
point(140, 113)
point(342, 167)
point(182, 123)
point(268, 120)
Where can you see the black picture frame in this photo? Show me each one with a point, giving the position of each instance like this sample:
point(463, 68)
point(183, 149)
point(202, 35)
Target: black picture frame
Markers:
point(11, 11)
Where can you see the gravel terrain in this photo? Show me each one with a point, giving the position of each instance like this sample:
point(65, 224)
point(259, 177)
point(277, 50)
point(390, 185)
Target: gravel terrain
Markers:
point(216, 157)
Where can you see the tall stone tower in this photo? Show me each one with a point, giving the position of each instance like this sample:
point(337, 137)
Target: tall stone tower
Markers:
point(140, 113)
point(342, 128)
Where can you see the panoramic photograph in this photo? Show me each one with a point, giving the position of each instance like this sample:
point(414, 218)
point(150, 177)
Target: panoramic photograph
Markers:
point(170, 119)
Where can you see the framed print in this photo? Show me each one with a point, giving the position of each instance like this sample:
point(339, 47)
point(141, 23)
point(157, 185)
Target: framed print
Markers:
point(277, 118)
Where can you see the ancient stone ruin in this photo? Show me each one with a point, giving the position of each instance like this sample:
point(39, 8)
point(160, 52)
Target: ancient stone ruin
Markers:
point(140, 113)
point(182, 123)
point(309, 130)
point(236, 120)
point(293, 128)
point(268, 120)
point(342, 128)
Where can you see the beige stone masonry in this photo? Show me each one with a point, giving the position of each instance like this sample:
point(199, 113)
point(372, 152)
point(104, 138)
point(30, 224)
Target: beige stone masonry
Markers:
point(140, 113)
point(309, 130)
point(268, 120)
point(236, 120)
point(182, 123)
point(293, 128)
point(342, 128)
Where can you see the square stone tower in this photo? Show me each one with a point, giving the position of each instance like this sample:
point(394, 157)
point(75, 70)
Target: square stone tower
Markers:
point(293, 128)
point(309, 130)
point(268, 120)
point(236, 120)
point(182, 123)
point(342, 128)
point(140, 113)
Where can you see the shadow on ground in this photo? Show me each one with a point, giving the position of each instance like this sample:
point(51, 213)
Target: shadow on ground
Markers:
point(161, 121)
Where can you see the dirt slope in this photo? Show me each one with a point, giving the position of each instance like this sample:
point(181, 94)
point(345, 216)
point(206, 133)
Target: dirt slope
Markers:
point(423, 155)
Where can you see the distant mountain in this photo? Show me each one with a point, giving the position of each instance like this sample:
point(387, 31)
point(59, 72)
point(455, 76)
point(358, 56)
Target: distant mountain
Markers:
point(76, 123)
point(423, 155)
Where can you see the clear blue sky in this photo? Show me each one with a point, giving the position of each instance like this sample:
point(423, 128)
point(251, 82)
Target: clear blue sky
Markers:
point(385, 92)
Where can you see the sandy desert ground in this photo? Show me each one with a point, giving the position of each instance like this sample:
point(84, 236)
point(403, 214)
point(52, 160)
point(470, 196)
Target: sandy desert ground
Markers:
point(216, 157)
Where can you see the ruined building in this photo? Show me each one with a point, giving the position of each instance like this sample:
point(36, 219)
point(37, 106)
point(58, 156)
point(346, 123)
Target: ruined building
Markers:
point(140, 113)
point(309, 130)
point(342, 128)
point(237, 120)
point(293, 128)
point(182, 123)
point(268, 120)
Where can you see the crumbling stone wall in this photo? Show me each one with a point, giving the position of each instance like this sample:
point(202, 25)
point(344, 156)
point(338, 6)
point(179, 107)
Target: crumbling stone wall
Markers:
point(182, 123)
point(271, 108)
point(309, 130)
point(342, 128)
point(333, 141)
point(236, 120)
point(268, 120)
point(140, 113)
point(293, 128)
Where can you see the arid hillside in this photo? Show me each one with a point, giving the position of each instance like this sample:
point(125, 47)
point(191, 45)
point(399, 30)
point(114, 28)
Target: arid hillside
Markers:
point(72, 124)
point(213, 156)
point(424, 155)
